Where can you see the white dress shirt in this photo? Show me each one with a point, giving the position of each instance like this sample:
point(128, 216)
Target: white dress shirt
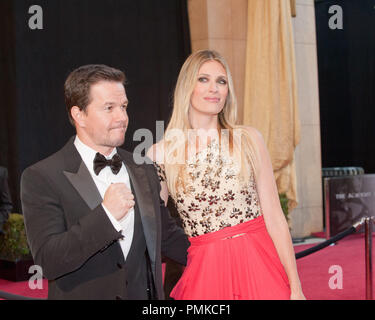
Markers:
point(102, 182)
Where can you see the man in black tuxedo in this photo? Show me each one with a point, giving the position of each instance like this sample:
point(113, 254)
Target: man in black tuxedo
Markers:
point(5, 199)
point(94, 218)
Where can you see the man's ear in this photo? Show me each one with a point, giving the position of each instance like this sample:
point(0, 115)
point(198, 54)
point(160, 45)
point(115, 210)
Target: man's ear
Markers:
point(78, 116)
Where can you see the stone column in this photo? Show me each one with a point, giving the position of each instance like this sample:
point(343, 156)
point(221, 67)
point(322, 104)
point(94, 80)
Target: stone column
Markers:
point(221, 25)
point(308, 216)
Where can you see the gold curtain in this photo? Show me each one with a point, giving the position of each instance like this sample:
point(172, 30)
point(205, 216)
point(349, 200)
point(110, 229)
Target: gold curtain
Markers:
point(270, 102)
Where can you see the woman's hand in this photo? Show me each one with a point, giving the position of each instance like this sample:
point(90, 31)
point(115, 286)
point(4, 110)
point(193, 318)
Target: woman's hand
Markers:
point(297, 295)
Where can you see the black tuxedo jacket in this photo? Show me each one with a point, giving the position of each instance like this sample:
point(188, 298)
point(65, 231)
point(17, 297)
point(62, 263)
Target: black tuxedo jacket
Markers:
point(72, 238)
point(5, 199)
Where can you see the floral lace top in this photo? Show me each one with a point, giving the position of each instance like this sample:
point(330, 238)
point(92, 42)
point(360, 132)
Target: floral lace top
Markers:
point(213, 197)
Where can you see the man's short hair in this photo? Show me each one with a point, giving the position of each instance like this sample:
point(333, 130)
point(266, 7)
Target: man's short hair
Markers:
point(77, 85)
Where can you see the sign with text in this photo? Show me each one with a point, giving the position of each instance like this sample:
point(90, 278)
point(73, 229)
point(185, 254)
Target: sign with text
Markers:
point(347, 200)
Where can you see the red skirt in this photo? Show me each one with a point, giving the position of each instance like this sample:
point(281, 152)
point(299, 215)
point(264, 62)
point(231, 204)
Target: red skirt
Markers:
point(239, 262)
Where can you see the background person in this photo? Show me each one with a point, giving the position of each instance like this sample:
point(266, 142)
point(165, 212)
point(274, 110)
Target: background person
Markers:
point(5, 198)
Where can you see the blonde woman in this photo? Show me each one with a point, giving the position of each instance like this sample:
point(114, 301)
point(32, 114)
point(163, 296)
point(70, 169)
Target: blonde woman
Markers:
point(220, 177)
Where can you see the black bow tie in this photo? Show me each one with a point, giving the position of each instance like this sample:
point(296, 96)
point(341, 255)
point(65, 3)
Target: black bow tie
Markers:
point(100, 162)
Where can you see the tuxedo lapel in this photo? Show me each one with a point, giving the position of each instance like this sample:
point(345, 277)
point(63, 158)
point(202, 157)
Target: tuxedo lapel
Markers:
point(142, 194)
point(85, 185)
point(79, 176)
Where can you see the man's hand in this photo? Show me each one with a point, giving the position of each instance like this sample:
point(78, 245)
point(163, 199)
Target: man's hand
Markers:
point(118, 199)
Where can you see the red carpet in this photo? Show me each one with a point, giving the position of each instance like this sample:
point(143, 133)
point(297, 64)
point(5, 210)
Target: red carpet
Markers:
point(349, 254)
point(319, 234)
point(22, 288)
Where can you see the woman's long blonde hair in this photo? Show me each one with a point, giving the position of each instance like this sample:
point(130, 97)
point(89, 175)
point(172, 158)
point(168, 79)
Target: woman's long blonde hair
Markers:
point(187, 79)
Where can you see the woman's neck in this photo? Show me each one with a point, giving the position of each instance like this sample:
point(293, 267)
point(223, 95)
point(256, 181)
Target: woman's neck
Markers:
point(205, 122)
